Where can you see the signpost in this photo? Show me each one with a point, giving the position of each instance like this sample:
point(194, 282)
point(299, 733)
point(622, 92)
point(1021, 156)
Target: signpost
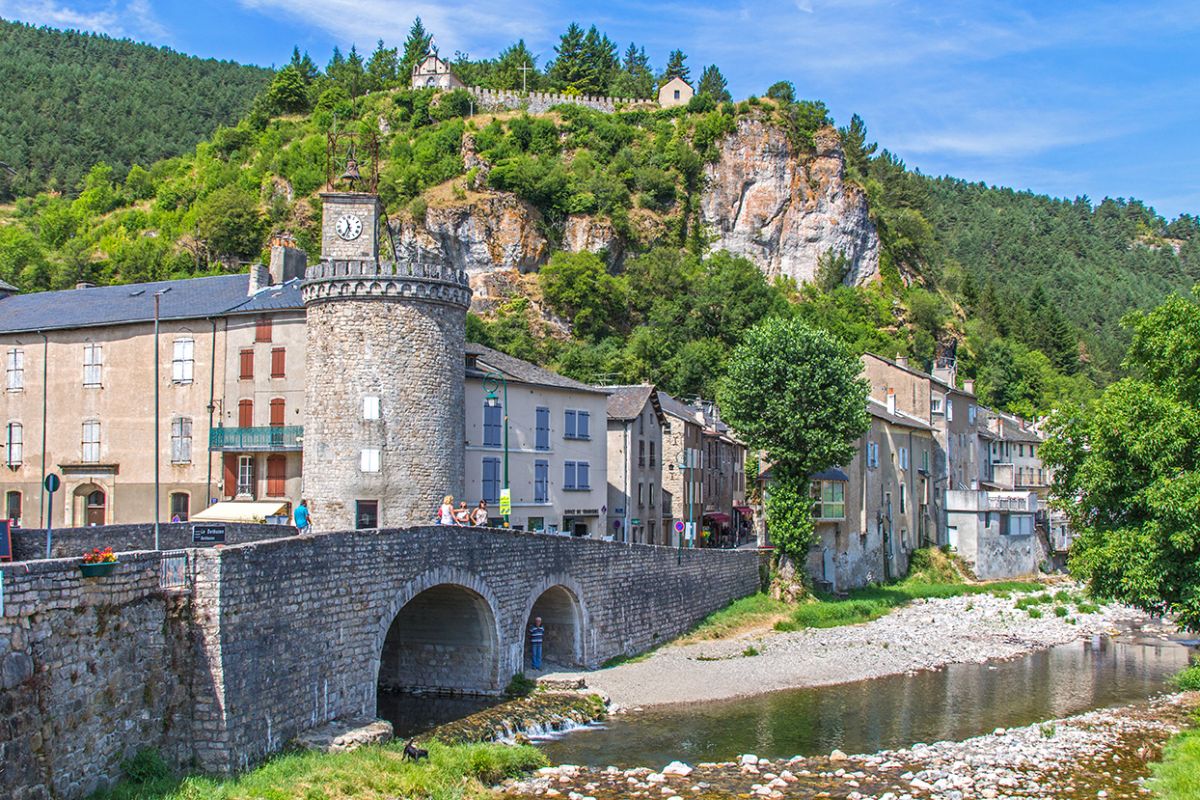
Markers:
point(208, 534)
point(505, 503)
point(52, 484)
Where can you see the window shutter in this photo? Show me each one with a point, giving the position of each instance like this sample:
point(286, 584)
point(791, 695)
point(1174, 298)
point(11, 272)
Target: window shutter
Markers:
point(278, 407)
point(581, 475)
point(569, 475)
point(262, 330)
point(278, 362)
point(370, 407)
point(276, 476)
point(569, 424)
point(584, 417)
point(247, 364)
point(230, 479)
point(245, 413)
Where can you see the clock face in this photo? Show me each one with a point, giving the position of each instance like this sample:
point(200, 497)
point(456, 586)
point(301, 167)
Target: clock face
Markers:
point(349, 227)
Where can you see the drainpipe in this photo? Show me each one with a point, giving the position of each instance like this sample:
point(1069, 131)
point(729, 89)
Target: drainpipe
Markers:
point(212, 381)
point(45, 380)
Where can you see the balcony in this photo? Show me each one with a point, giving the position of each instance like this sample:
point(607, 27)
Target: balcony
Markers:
point(271, 439)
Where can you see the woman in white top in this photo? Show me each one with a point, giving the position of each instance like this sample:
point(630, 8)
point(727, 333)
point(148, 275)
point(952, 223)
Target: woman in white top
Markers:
point(446, 511)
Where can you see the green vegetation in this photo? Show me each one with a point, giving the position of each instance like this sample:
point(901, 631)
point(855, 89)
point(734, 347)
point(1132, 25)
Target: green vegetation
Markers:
point(756, 611)
point(72, 99)
point(1188, 679)
point(1177, 776)
point(1128, 470)
point(520, 685)
point(750, 651)
point(369, 773)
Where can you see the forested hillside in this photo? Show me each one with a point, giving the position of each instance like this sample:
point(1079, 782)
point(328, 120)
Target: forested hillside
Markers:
point(1026, 292)
point(71, 99)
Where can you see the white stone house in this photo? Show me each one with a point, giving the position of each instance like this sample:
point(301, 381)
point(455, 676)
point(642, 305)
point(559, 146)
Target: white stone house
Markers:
point(557, 445)
point(635, 440)
point(433, 72)
point(675, 92)
point(994, 532)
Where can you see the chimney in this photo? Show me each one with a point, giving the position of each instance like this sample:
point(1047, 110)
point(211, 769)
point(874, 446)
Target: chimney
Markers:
point(260, 278)
point(901, 361)
point(969, 386)
point(85, 285)
point(891, 400)
point(288, 261)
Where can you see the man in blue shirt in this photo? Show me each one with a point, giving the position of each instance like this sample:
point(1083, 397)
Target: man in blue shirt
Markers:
point(536, 632)
point(302, 517)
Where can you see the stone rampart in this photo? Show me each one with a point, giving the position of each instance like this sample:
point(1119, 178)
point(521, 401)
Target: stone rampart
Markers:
point(29, 544)
point(540, 102)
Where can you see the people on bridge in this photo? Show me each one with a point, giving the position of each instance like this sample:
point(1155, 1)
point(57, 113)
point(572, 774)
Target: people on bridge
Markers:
point(536, 634)
point(479, 516)
point(462, 514)
point(302, 517)
point(446, 511)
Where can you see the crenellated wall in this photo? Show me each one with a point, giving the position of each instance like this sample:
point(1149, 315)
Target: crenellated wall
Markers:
point(541, 102)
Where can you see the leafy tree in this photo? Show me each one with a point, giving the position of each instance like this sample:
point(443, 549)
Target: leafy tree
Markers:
point(139, 185)
point(783, 91)
point(288, 92)
point(383, 67)
point(577, 286)
point(230, 224)
point(676, 67)
point(794, 392)
point(635, 78)
point(1127, 470)
point(713, 84)
point(416, 47)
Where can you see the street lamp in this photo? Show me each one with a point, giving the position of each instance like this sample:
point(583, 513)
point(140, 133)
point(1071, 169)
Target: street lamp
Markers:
point(491, 382)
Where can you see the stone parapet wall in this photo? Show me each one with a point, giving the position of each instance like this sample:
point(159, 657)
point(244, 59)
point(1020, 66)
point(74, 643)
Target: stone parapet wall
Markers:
point(92, 670)
point(541, 102)
point(29, 544)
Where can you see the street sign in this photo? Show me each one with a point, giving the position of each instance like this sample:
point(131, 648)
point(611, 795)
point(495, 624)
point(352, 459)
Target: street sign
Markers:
point(208, 534)
point(53, 482)
point(616, 524)
point(691, 531)
point(506, 501)
point(635, 521)
point(679, 527)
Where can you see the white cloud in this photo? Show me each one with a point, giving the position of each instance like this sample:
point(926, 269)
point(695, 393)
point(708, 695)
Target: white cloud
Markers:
point(134, 19)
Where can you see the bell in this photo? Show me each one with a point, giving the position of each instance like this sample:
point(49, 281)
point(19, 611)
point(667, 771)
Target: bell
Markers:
point(351, 174)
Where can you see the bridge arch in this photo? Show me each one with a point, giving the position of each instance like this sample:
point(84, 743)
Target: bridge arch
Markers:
point(440, 632)
point(558, 600)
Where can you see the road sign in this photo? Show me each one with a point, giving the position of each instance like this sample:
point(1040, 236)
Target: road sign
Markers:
point(53, 482)
point(208, 534)
point(506, 501)
point(679, 527)
point(616, 524)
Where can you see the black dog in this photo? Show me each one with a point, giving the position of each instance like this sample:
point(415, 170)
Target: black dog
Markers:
point(413, 752)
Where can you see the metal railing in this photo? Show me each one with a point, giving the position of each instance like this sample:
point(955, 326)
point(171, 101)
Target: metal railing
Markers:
point(173, 570)
point(269, 438)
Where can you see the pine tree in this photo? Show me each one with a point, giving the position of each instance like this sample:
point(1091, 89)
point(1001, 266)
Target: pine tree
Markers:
point(676, 67)
point(713, 84)
point(416, 47)
point(507, 72)
point(382, 67)
point(600, 55)
point(570, 68)
point(635, 78)
point(854, 144)
point(304, 65)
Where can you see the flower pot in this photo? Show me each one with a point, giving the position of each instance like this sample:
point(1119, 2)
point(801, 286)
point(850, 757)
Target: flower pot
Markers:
point(98, 570)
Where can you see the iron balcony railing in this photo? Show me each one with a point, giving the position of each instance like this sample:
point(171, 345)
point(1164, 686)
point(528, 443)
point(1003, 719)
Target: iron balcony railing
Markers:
point(274, 438)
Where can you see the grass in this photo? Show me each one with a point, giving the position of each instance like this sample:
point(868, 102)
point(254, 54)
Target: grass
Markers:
point(1188, 679)
point(1177, 776)
point(453, 772)
point(749, 613)
point(1035, 613)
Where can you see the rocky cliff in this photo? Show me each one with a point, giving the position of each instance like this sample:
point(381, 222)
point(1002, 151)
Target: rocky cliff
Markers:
point(481, 232)
point(782, 209)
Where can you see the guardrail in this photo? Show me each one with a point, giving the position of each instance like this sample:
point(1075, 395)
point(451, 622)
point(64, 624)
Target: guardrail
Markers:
point(273, 438)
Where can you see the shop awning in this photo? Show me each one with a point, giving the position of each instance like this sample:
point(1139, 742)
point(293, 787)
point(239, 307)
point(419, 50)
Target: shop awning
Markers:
point(745, 511)
point(718, 516)
point(234, 511)
point(831, 474)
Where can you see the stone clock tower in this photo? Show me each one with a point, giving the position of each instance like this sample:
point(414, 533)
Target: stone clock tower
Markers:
point(383, 435)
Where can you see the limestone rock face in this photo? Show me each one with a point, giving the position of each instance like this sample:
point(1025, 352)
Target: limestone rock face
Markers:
point(484, 232)
point(782, 210)
point(583, 233)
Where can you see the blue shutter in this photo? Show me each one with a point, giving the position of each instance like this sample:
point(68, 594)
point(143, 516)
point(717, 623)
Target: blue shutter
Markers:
point(581, 475)
point(543, 429)
point(569, 424)
point(491, 480)
point(541, 481)
point(492, 416)
point(584, 417)
point(569, 475)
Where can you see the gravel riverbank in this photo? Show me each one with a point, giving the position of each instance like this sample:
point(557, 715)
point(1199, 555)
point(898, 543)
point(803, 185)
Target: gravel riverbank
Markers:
point(1101, 754)
point(927, 634)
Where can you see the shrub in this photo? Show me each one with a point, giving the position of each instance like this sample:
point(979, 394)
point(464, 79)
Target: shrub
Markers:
point(1035, 613)
point(1060, 611)
point(520, 685)
point(1188, 680)
point(750, 651)
point(146, 766)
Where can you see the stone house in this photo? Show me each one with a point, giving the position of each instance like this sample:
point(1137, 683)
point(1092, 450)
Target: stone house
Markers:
point(557, 449)
point(726, 519)
point(995, 532)
point(682, 464)
point(675, 92)
point(635, 449)
point(1012, 458)
point(432, 72)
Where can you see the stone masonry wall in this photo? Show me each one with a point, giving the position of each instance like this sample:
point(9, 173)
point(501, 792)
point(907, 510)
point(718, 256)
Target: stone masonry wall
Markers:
point(29, 544)
point(295, 629)
point(91, 671)
point(541, 102)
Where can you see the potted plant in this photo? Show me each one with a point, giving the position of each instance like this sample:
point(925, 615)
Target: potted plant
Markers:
point(98, 563)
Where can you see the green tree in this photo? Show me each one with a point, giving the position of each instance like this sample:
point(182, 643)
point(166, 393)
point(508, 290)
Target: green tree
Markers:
point(713, 84)
point(854, 145)
point(578, 287)
point(230, 223)
point(570, 67)
point(383, 67)
point(416, 47)
point(288, 92)
point(676, 67)
point(600, 55)
point(783, 91)
point(635, 79)
point(1127, 470)
point(516, 68)
point(304, 65)
point(794, 392)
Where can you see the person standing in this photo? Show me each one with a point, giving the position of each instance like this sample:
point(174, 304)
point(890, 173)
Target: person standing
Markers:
point(302, 517)
point(479, 517)
point(536, 634)
point(462, 514)
point(446, 511)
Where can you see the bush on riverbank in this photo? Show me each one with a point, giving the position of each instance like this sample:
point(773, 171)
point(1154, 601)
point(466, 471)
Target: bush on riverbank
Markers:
point(1188, 680)
point(453, 772)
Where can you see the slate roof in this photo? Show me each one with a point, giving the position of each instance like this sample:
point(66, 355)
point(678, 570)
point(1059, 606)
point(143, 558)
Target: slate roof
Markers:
point(879, 410)
point(677, 409)
point(1010, 429)
point(280, 297)
point(514, 369)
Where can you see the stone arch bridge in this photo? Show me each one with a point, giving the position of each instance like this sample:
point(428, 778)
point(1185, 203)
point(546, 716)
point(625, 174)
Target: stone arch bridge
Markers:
point(296, 632)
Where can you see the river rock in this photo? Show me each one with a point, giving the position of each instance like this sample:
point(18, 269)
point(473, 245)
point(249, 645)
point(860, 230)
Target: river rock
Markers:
point(342, 735)
point(748, 760)
point(677, 768)
point(838, 755)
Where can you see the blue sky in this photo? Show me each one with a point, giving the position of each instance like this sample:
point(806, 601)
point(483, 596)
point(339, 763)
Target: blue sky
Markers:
point(1066, 98)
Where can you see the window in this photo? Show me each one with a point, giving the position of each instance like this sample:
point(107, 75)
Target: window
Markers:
point(971, 412)
point(1031, 453)
point(641, 424)
point(245, 413)
point(651, 492)
point(641, 495)
point(246, 362)
point(14, 448)
point(91, 442)
point(537, 524)
point(949, 410)
point(872, 455)
point(262, 330)
point(366, 514)
point(641, 452)
point(542, 442)
point(541, 482)
point(14, 369)
point(935, 405)
point(12, 506)
point(181, 504)
point(576, 424)
point(903, 497)
point(245, 476)
point(370, 407)
point(276, 476)
point(491, 480)
point(491, 425)
point(576, 476)
point(183, 360)
point(278, 362)
point(369, 459)
point(93, 363)
point(1021, 450)
point(925, 460)
point(1020, 525)
point(181, 440)
point(278, 411)
point(653, 460)
point(676, 94)
point(829, 499)
point(902, 457)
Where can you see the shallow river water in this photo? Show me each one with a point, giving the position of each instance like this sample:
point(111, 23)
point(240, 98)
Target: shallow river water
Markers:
point(957, 702)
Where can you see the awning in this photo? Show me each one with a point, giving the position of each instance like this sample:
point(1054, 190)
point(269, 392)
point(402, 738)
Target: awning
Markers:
point(245, 511)
point(717, 516)
point(831, 474)
point(745, 511)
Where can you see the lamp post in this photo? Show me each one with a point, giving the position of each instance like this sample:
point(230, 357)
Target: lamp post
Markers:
point(491, 382)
